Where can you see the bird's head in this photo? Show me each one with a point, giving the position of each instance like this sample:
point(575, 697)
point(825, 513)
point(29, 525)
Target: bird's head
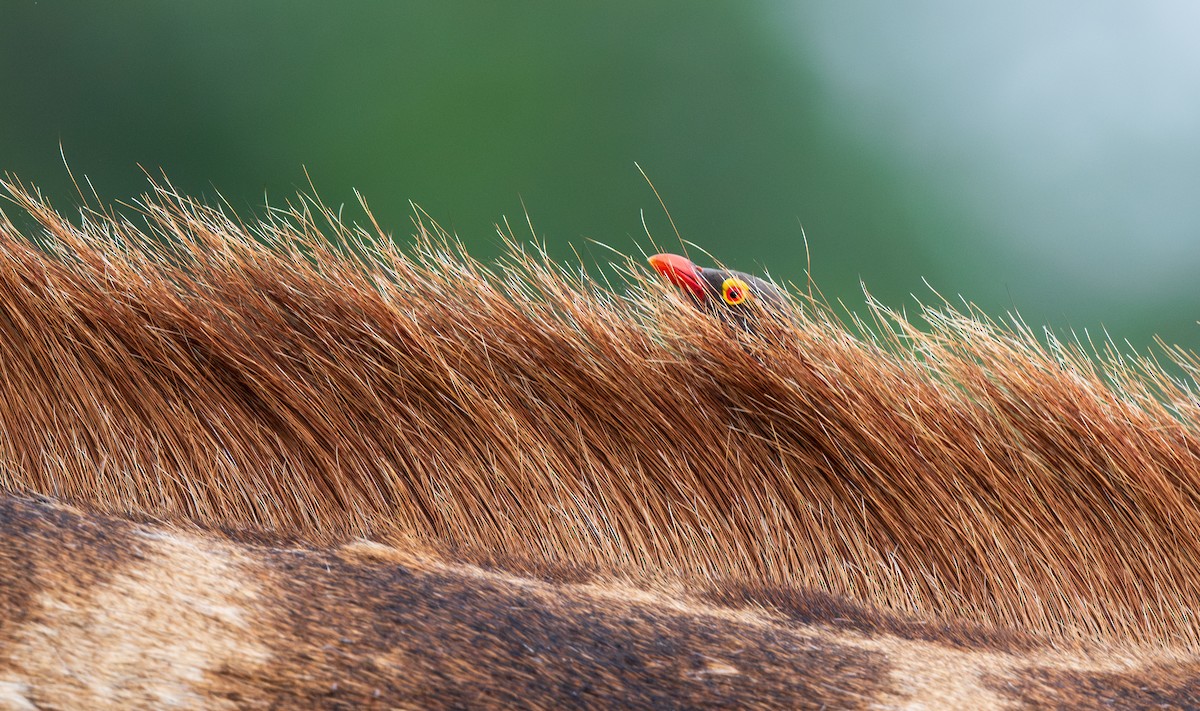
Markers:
point(719, 290)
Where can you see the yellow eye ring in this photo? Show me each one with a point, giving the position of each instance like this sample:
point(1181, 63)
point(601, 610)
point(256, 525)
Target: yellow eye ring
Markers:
point(734, 291)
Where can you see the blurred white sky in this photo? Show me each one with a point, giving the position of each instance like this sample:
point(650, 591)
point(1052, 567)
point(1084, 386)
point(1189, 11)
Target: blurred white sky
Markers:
point(1072, 130)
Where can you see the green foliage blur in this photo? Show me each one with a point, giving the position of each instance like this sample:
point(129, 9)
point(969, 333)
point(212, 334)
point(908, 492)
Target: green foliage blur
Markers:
point(1030, 160)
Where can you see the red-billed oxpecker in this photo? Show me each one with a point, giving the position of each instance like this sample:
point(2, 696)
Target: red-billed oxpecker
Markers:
point(722, 292)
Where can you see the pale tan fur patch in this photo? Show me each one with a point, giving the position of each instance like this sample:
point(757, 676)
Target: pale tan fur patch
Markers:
point(929, 676)
point(154, 635)
point(14, 696)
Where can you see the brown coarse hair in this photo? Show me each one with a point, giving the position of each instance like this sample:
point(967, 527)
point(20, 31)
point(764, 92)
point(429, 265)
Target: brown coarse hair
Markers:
point(303, 376)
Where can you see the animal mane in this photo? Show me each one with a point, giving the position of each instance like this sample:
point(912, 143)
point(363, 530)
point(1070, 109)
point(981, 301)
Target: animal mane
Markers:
point(303, 377)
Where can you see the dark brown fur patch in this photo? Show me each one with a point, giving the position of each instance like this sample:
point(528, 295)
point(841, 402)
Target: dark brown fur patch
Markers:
point(1164, 686)
point(809, 607)
point(47, 546)
point(376, 633)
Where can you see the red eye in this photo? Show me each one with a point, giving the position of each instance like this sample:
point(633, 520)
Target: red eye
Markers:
point(734, 291)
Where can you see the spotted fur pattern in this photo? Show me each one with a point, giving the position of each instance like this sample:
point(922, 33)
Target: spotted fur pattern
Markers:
point(103, 612)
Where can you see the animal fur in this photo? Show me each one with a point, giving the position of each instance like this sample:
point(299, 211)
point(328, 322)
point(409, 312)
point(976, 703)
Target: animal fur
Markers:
point(287, 463)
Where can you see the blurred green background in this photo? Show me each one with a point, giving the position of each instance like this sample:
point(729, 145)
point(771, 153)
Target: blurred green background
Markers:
point(1043, 158)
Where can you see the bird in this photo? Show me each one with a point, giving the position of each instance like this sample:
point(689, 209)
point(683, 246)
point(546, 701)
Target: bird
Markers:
point(731, 295)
